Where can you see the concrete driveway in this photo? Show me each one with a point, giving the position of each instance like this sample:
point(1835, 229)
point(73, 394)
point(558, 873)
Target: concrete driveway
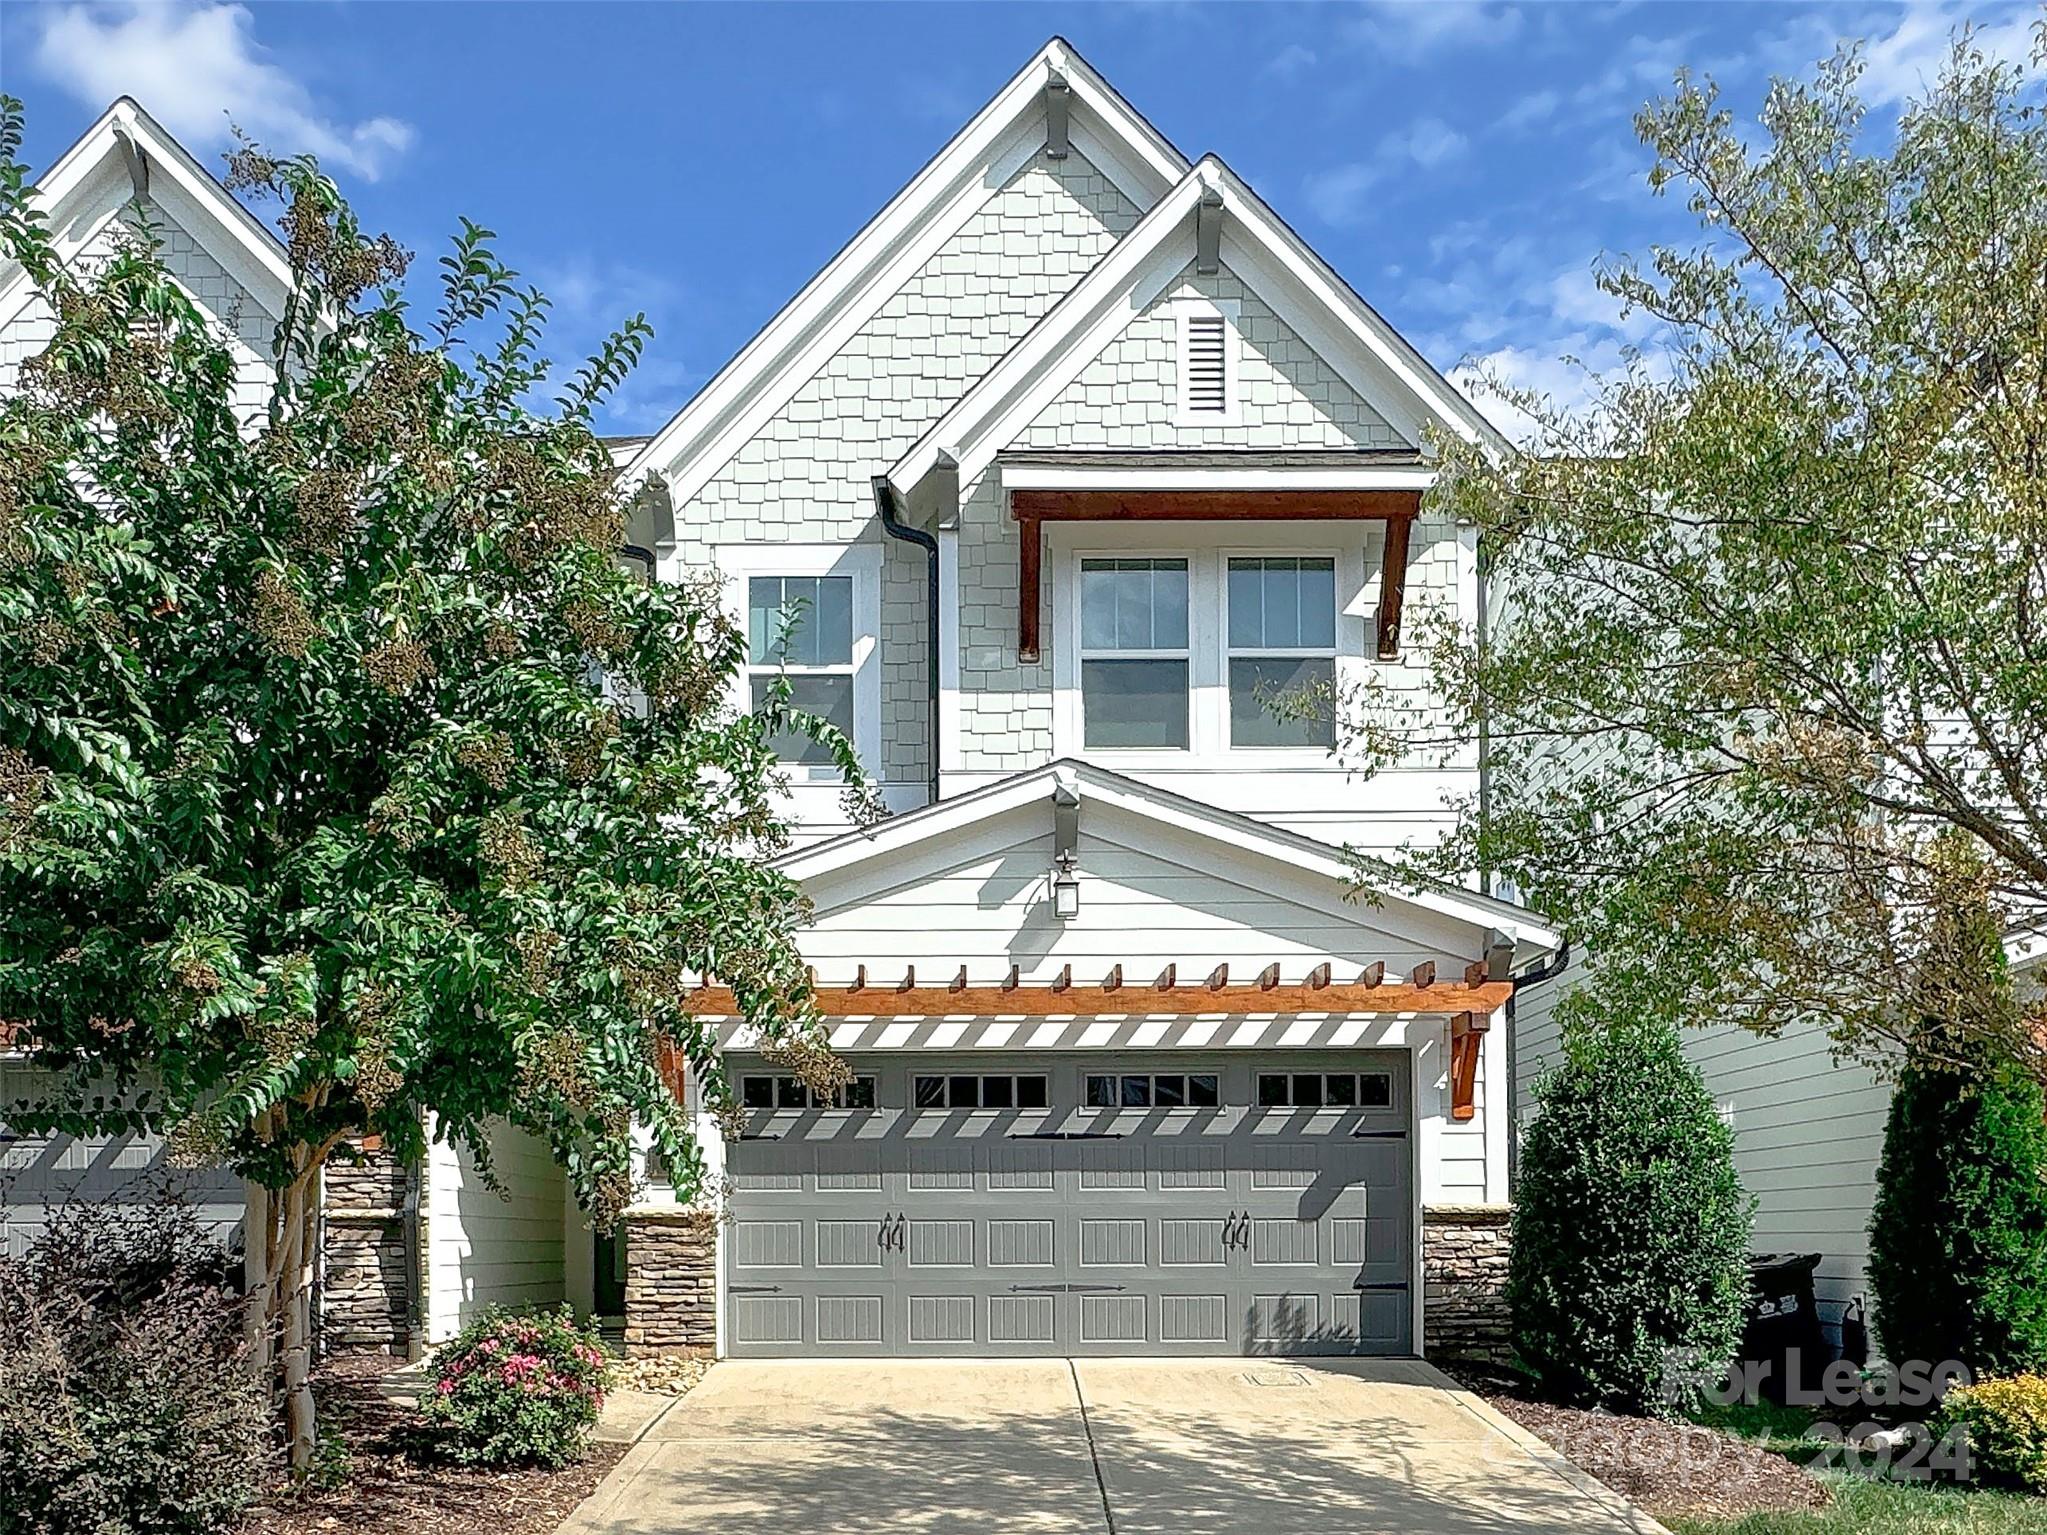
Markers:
point(1093, 1447)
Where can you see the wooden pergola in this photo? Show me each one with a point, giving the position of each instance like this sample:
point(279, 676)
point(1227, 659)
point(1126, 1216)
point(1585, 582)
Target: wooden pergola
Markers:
point(1469, 1001)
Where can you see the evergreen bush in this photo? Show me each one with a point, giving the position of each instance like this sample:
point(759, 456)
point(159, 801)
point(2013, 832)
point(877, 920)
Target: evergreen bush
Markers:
point(1631, 1227)
point(1958, 1233)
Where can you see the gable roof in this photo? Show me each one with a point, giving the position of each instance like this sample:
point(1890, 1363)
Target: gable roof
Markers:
point(1232, 835)
point(951, 188)
point(93, 180)
point(1258, 246)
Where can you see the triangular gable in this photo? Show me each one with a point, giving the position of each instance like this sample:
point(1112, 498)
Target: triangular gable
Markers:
point(910, 852)
point(1255, 245)
point(128, 151)
point(750, 390)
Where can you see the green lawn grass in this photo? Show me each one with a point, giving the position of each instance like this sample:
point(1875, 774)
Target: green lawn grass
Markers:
point(1864, 1507)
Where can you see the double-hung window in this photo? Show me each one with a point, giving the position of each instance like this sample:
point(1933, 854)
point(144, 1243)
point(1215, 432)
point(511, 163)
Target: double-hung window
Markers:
point(1133, 653)
point(802, 627)
point(1282, 651)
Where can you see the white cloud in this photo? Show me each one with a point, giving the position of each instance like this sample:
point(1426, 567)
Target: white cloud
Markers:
point(198, 69)
point(1410, 30)
point(1535, 107)
point(1339, 195)
point(1908, 59)
point(1292, 61)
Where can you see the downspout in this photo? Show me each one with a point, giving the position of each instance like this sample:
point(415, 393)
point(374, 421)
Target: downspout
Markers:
point(1548, 970)
point(888, 507)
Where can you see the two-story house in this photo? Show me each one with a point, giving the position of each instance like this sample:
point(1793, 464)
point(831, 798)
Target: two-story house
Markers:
point(1066, 469)
point(1052, 488)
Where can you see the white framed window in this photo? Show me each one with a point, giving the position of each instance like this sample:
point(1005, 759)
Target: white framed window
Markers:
point(1328, 561)
point(801, 628)
point(1205, 355)
point(811, 613)
point(1134, 659)
point(1281, 649)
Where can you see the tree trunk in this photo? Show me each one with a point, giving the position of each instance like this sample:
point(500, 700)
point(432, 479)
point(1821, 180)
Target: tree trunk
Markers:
point(295, 1305)
point(281, 1244)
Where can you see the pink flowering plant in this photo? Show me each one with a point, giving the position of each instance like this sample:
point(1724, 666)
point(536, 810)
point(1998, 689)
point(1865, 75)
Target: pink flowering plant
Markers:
point(518, 1388)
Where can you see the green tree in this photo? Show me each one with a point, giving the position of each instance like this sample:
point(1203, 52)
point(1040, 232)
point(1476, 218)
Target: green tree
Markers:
point(1631, 1228)
point(1771, 613)
point(1958, 1234)
point(347, 775)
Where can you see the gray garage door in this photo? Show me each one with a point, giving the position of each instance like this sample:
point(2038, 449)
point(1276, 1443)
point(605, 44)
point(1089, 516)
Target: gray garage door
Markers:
point(1181, 1204)
point(39, 1175)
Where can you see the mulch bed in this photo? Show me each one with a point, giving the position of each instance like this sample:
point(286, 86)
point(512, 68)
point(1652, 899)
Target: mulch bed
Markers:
point(395, 1484)
point(1671, 1469)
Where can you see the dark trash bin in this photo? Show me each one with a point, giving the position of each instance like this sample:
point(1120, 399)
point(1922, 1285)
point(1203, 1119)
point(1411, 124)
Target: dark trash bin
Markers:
point(1783, 1329)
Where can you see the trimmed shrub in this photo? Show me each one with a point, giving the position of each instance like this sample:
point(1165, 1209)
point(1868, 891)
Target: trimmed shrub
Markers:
point(518, 1388)
point(2004, 1423)
point(1630, 1234)
point(126, 1403)
point(1958, 1233)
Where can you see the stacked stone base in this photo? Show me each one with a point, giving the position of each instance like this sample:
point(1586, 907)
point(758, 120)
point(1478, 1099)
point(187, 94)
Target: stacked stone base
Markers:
point(671, 1282)
point(1464, 1283)
point(364, 1294)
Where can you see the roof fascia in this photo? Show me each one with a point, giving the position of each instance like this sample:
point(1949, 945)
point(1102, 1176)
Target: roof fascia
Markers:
point(1218, 477)
point(1257, 228)
point(1145, 801)
point(937, 202)
point(202, 207)
point(1029, 377)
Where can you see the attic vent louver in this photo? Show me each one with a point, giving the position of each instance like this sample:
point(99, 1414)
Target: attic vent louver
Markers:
point(1204, 370)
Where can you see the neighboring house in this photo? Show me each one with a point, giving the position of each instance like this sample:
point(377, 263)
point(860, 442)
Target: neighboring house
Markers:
point(1062, 468)
point(125, 174)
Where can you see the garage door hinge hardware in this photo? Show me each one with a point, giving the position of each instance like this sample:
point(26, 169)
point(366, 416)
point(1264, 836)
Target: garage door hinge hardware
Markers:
point(1383, 1284)
point(1064, 1289)
point(1378, 1135)
point(757, 1135)
point(755, 1289)
point(1066, 1135)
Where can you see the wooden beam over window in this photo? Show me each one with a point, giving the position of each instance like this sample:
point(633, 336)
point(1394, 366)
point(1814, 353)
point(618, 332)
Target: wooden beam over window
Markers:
point(1032, 509)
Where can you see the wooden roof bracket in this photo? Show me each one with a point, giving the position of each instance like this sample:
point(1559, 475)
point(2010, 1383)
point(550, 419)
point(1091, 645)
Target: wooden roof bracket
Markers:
point(1466, 1031)
point(1058, 99)
point(1392, 584)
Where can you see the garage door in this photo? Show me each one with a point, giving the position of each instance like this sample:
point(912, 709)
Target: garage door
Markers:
point(1079, 1205)
point(39, 1175)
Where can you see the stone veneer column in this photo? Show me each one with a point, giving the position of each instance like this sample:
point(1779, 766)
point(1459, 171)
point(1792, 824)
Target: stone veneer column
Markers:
point(363, 1292)
point(671, 1282)
point(1464, 1283)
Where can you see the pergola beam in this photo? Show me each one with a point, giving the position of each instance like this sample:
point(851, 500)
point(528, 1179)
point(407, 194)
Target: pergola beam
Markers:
point(1070, 1000)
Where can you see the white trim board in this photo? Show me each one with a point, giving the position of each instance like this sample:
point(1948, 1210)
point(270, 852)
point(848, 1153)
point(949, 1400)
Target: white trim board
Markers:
point(1268, 257)
point(1000, 139)
point(895, 837)
point(1217, 477)
point(202, 207)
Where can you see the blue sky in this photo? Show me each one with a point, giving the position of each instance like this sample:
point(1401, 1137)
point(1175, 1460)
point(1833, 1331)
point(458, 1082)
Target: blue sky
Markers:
point(1463, 165)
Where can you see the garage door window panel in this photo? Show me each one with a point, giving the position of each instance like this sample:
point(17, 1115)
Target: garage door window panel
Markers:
point(980, 1091)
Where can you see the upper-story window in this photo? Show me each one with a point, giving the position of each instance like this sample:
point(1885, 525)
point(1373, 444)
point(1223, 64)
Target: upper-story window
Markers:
point(802, 627)
point(1192, 646)
point(1282, 651)
point(1133, 652)
point(812, 614)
